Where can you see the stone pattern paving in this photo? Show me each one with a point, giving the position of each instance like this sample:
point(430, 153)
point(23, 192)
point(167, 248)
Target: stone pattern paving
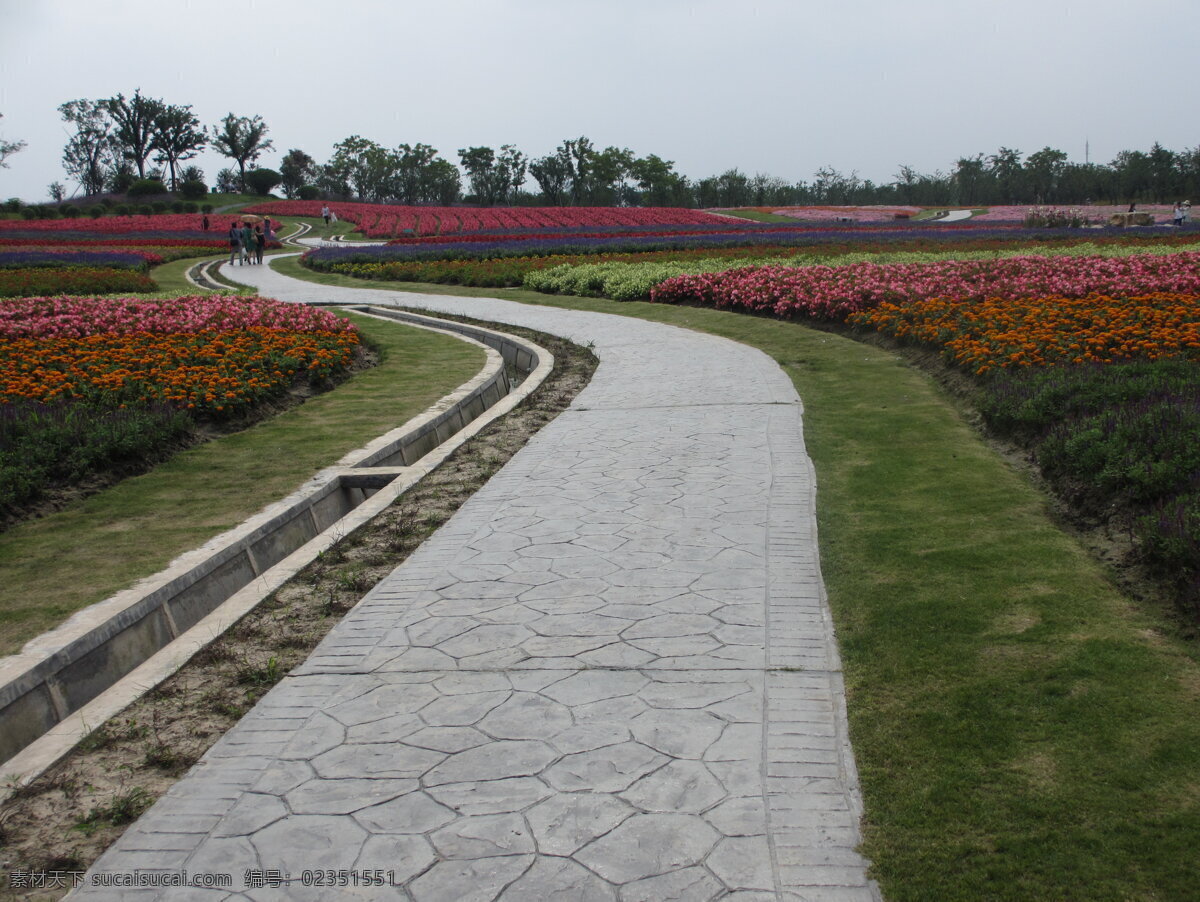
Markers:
point(611, 676)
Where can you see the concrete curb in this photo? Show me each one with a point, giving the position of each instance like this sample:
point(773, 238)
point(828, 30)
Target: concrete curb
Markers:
point(70, 680)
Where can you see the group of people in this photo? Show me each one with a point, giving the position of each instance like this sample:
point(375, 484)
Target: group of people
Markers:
point(246, 241)
point(1182, 212)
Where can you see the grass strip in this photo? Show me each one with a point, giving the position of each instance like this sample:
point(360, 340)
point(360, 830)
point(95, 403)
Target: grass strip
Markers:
point(56, 565)
point(1022, 730)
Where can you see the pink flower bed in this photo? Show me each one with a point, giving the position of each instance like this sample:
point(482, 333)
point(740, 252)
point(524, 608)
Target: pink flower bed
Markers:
point(123, 225)
point(835, 292)
point(73, 317)
point(387, 221)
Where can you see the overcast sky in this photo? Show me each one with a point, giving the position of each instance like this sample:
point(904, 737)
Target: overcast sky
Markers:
point(776, 87)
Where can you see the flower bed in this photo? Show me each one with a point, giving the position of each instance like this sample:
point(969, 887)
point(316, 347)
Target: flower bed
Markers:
point(836, 292)
point(216, 355)
point(388, 221)
point(116, 258)
point(841, 214)
point(157, 223)
point(31, 281)
point(624, 279)
point(102, 387)
point(162, 242)
point(985, 333)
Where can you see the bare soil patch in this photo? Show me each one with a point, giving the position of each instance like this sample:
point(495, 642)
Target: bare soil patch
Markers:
point(66, 818)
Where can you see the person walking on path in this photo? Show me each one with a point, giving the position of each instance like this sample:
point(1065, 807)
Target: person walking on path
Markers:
point(260, 242)
point(247, 243)
point(235, 241)
point(325, 213)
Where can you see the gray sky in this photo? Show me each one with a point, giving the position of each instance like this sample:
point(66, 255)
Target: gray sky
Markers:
point(773, 86)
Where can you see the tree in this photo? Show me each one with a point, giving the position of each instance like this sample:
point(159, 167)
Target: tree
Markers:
point(412, 180)
point(133, 126)
point(606, 185)
point(297, 170)
point(1005, 167)
point(178, 135)
point(1164, 180)
point(580, 155)
point(708, 192)
point(552, 173)
point(513, 163)
point(733, 189)
point(441, 183)
point(660, 184)
point(833, 187)
point(368, 168)
point(1043, 172)
point(1132, 174)
point(120, 177)
point(57, 192)
point(241, 139)
point(8, 148)
point(487, 178)
point(480, 164)
point(969, 176)
point(494, 177)
point(90, 156)
point(261, 181)
point(228, 181)
point(906, 183)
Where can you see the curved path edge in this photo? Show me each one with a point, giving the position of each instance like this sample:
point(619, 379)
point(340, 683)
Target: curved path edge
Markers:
point(71, 679)
point(611, 675)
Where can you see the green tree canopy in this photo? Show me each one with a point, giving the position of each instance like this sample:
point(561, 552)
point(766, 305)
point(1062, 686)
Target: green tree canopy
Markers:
point(242, 139)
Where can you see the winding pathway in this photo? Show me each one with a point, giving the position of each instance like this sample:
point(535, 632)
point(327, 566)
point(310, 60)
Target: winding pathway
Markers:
point(611, 676)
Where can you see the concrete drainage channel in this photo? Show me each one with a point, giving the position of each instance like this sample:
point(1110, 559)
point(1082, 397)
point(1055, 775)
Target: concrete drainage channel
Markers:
point(72, 679)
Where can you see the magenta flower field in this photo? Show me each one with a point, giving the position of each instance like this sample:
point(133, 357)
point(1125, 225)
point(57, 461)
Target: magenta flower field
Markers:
point(835, 292)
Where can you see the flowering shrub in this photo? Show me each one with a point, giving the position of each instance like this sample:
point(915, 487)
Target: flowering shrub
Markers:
point(216, 355)
point(48, 445)
point(1055, 218)
point(1095, 212)
point(1122, 440)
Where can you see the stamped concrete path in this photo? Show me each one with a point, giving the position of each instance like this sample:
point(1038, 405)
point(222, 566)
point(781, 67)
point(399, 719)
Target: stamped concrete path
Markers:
point(611, 676)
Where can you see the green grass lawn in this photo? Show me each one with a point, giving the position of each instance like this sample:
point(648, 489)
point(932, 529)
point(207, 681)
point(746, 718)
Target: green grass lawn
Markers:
point(53, 566)
point(759, 216)
point(1023, 731)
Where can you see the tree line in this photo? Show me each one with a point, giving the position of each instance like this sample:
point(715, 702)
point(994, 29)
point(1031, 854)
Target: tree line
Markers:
point(578, 173)
point(114, 140)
